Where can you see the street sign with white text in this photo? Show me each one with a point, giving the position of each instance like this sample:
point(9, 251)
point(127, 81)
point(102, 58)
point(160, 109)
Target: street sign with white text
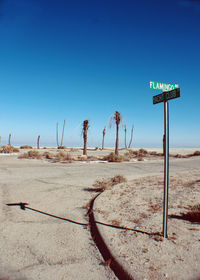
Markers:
point(162, 86)
point(167, 95)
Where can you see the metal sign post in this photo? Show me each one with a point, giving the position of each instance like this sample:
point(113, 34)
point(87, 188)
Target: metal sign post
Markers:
point(166, 168)
point(164, 97)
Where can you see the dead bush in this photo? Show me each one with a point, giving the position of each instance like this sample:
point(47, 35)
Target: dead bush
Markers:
point(116, 158)
point(62, 156)
point(195, 207)
point(140, 158)
point(142, 152)
point(31, 154)
point(62, 147)
point(7, 149)
point(26, 147)
point(108, 183)
point(48, 155)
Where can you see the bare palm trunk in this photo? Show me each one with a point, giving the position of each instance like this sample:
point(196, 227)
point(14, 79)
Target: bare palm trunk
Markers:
point(125, 137)
point(131, 137)
point(63, 133)
point(104, 132)
point(57, 134)
point(38, 142)
point(9, 141)
point(85, 129)
point(117, 139)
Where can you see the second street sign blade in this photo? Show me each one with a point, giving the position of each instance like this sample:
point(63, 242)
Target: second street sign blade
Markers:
point(167, 95)
point(158, 98)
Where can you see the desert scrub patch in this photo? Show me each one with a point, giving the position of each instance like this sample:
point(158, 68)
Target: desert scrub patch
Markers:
point(108, 183)
point(191, 183)
point(31, 154)
point(115, 222)
point(47, 155)
point(62, 147)
point(26, 147)
point(195, 207)
point(140, 158)
point(7, 149)
point(63, 156)
point(116, 158)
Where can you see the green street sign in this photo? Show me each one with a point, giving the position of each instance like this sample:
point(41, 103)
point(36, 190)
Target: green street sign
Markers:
point(162, 86)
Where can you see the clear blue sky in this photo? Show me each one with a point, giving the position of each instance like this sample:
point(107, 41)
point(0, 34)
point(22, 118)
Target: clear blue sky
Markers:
point(79, 59)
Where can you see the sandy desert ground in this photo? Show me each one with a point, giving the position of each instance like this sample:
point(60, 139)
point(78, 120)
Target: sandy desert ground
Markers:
point(37, 246)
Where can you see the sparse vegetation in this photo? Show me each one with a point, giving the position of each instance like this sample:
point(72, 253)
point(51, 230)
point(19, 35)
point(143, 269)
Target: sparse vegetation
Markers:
point(195, 207)
point(112, 157)
point(140, 158)
point(48, 155)
point(7, 149)
point(62, 147)
point(62, 156)
point(31, 154)
point(26, 147)
point(108, 183)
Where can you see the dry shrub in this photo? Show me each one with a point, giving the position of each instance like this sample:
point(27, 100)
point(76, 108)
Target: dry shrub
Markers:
point(118, 179)
point(179, 156)
point(81, 158)
point(74, 149)
point(62, 156)
point(139, 153)
point(7, 149)
point(140, 158)
point(137, 221)
point(132, 153)
point(154, 153)
point(108, 183)
point(196, 153)
point(154, 207)
point(48, 155)
point(191, 183)
point(116, 158)
point(195, 207)
point(142, 152)
point(26, 147)
point(31, 154)
point(62, 147)
point(115, 223)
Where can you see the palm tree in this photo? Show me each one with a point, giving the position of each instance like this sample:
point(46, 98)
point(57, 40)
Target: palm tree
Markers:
point(57, 134)
point(62, 134)
point(118, 118)
point(131, 137)
point(9, 141)
point(85, 129)
point(125, 136)
point(104, 132)
point(38, 142)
